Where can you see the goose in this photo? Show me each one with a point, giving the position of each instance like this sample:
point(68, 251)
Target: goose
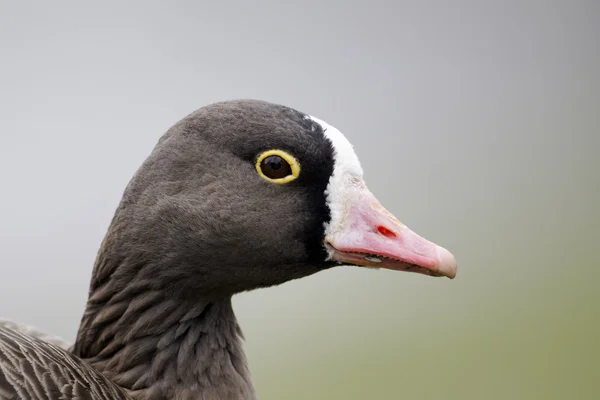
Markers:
point(238, 195)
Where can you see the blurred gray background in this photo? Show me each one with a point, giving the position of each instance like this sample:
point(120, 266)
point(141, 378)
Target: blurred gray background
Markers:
point(477, 123)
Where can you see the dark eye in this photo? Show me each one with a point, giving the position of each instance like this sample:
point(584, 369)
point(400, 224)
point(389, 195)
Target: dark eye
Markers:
point(277, 166)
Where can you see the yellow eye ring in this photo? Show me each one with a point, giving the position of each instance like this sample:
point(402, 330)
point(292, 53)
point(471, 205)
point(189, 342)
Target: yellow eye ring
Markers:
point(277, 166)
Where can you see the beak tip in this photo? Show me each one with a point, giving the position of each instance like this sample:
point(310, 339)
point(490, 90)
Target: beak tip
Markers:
point(446, 263)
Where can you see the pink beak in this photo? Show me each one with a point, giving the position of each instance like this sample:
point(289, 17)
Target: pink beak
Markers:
point(369, 235)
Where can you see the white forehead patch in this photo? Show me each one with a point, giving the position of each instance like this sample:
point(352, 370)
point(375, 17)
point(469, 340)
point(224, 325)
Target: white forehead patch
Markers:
point(347, 172)
point(345, 159)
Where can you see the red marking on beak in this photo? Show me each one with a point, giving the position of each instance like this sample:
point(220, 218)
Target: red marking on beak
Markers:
point(386, 232)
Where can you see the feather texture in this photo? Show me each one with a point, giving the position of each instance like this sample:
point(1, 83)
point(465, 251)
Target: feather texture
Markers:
point(32, 369)
point(36, 333)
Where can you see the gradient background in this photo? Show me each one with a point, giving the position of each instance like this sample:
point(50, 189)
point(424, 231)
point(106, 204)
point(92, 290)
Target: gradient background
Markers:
point(477, 123)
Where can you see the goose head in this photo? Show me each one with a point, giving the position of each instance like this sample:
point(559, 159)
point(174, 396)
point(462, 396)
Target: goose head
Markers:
point(247, 194)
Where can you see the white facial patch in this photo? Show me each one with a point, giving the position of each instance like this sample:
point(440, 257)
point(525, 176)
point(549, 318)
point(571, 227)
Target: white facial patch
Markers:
point(347, 172)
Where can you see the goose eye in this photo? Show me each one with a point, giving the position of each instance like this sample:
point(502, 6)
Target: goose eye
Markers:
point(277, 166)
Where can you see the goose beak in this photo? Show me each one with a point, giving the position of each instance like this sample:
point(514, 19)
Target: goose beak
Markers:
point(369, 235)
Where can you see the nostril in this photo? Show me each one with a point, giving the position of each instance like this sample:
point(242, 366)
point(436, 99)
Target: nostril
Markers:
point(386, 232)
